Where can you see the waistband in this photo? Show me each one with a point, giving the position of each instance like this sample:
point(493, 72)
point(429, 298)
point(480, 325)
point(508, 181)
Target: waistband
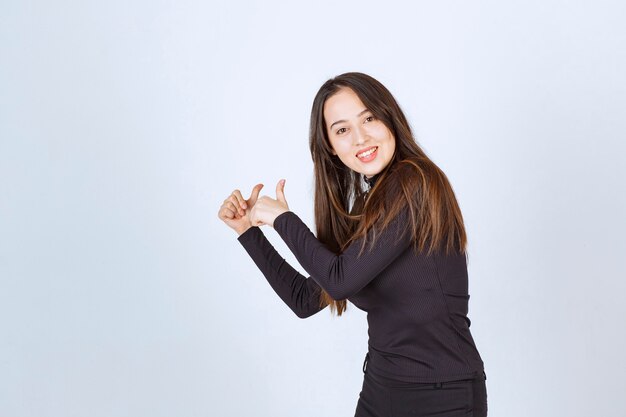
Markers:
point(482, 376)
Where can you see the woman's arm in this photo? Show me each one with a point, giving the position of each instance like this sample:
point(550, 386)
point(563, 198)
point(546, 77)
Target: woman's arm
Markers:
point(299, 293)
point(346, 274)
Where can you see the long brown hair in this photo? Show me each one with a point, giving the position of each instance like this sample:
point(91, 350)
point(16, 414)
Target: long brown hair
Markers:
point(344, 208)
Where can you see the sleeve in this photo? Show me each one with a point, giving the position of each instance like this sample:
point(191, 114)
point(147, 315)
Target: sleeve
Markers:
point(299, 293)
point(346, 274)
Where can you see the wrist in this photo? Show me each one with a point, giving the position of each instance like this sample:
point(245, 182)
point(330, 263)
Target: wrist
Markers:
point(242, 230)
point(279, 214)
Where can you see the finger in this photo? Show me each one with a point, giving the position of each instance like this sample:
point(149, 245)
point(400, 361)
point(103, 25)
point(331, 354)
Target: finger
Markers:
point(227, 213)
point(255, 194)
point(229, 209)
point(232, 202)
point(236, 205)
point(280, 191)
point(235, 208)
point(240, 199)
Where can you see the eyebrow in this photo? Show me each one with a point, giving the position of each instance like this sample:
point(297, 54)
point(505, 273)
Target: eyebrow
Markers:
point(340, 121)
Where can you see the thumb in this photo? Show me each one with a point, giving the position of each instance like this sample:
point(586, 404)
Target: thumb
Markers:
point(255, 194)
point(280, 191)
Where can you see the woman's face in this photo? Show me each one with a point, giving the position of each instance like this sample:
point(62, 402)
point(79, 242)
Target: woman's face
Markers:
point(362, 142)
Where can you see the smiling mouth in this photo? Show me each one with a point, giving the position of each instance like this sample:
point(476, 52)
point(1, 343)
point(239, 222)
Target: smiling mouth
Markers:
point(367, 153)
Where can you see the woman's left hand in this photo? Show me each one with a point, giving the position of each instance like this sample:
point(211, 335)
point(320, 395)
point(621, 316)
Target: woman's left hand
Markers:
point(266, 209)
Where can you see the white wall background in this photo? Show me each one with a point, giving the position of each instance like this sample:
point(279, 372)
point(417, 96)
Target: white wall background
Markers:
point(123, 127)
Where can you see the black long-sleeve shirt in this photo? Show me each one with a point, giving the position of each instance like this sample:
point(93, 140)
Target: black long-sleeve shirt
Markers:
point(416, 305)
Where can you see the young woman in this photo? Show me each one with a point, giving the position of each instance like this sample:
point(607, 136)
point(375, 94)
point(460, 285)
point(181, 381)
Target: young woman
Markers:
point(390, 239)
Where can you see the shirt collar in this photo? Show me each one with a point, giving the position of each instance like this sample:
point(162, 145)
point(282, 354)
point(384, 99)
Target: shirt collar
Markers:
point(371, 181)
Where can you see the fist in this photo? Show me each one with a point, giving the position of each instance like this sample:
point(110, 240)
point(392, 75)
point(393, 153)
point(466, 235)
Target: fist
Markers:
point(235, 211)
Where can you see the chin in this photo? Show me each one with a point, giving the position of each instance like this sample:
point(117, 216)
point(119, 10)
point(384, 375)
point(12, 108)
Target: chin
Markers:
point(376, 171)
point(371, 174)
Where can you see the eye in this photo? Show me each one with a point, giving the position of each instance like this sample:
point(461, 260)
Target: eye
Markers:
point(340, 131)
point(369, 118)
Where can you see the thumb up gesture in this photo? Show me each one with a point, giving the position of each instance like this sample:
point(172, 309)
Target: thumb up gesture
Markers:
point(267, 209)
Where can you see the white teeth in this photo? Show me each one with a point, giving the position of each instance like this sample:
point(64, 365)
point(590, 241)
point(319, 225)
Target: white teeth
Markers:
point(368, 153)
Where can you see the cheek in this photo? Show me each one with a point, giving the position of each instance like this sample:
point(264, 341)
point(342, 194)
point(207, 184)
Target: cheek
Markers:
point(340, 147)
point(384, 134)
point(382, 131)
point(345, 155)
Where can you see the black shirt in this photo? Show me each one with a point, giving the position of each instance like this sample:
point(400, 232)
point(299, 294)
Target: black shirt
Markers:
point(416, 305)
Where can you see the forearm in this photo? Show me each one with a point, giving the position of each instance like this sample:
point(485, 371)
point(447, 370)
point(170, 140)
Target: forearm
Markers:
point(343, 275)
point(301, 294)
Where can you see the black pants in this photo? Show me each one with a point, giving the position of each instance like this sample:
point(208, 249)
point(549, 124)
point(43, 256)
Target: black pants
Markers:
point(383, 397)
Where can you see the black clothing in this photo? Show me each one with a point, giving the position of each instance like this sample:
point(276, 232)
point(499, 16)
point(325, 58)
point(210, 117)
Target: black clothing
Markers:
point(416, 305)
point(383, 397)
point(371, 181)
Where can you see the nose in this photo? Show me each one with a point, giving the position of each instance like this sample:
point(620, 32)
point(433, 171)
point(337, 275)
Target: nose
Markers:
point(360, 136)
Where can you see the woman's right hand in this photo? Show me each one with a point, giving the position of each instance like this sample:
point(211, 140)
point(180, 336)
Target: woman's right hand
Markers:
point(235, 211)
